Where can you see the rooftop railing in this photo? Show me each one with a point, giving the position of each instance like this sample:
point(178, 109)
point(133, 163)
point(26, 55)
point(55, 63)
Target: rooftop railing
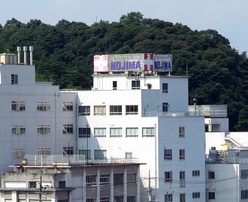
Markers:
point(66, 160)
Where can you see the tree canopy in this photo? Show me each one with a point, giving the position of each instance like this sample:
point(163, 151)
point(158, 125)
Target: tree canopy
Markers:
point(64, 54)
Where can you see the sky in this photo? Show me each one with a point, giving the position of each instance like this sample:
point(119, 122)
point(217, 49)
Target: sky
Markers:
point(228, 17)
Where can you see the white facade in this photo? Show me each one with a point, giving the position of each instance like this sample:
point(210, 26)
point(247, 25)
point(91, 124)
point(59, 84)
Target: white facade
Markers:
point(32, 116)
point(151, 149)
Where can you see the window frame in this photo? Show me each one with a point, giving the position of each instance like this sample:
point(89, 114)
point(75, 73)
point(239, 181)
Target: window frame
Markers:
point(148, 131)
point(196, 195)
point(211, 195)
point(181, 131)
point(211, 175)
point(131, 178)
point(68, 151)
point(97, 155)
point(67, 106)
point(20, 129)
point(132, 109)
point(14, 79)
point(43, 151)
point(130, 130)
point(114, 85)
point(43, 106)
point(181, 154)
point(182, 197)
point(18, 106)
point(84, 132)
point(168, 177)
point(168, 198)
point(18, 153)
point(85, 152)
point(90, 180)
point(104, 179)
point(67, 128)
point(115, 110)
point(83, 110)
point(195, 173)
point(118, 130)
point(43, 129)
point(165, 107)
point(118, 179)
point(167, 154)
point(103, 134)
point(100, 110)
point(135, 84)
point(164, 87)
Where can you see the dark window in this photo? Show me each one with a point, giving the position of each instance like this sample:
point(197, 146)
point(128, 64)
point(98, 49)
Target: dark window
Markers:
point(118, 179)
point(83, 110)
point(84, 132)
point(114, 85)
point(195, 173)
point(165, 107)
point(211, 175)
point(61, 184)
point(182, 197)
point(68, 150)
point(196, 195)
point(116, 110)
point(131, 109)
point(32, 184)
point(244, 174)
point(168, 197)
point(14, 79)
point(168, 176)
point(211, 195)
point(244, 194)
point(67, 128)
point(168, 154)
point(136, 84)
point(165, 87)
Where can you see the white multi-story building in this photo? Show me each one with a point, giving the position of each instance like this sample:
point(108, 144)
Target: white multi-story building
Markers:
point(145, 115)
point(35, 118)
point(132, 111)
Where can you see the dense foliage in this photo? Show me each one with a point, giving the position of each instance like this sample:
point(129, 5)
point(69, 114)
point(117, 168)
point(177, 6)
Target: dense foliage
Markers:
point(64, 54)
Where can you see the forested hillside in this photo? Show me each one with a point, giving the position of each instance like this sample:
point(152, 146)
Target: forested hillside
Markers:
point(64, 54)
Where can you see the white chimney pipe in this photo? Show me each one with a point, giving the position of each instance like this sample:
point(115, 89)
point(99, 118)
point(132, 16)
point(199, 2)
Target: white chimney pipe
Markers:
point(31, 48)
point(25, 49)
point(18, 54)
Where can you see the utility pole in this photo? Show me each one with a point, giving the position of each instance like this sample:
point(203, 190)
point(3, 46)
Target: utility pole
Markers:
point(149, 189)
point(40, 188)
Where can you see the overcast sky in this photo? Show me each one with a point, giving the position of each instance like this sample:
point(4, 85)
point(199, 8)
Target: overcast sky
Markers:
point(228, 17)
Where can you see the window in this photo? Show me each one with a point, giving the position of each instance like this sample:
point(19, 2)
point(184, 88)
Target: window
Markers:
point(131, 198)
point(43, 129)
point(168, 176)
point(114, 85)
point(104, 179)
point(131, 178)
point(62, 184)
point(182, 178)
point(116, 110)
point(43, 151)
point(213, 148)
point(164, 87)
point(168, 154)
point(115, 132)
point(68, 129)
point(99, 132)
point(244, 194)
point(43, 106)
point(105, 199)
point(18, 152)
point(91, 200)
point(100, 154)
point(67, 106)
point(83, 110)
point(67, 151)
point(182, 197)
point(128, 155)
point(211, 195)
point(99, 110)
point(132, 132)
point(14, 78)
point(165, 107)
point(90, 180)
point(211, 175)
point(244, 174)
point(136, 84)
point(168, 198)
point(84, 132)
point(181, 132)
point(118, 199)
point(118, 179)
point(131, 109)
point(85, 153)
point(32, 184)
point(181, 154)
point(196, 195)
point(195, 173)
point(18, 129)
point(148, 132)
point(18, 105)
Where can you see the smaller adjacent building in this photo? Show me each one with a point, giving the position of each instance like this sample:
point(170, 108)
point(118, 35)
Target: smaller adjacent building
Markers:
point(70, 179)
